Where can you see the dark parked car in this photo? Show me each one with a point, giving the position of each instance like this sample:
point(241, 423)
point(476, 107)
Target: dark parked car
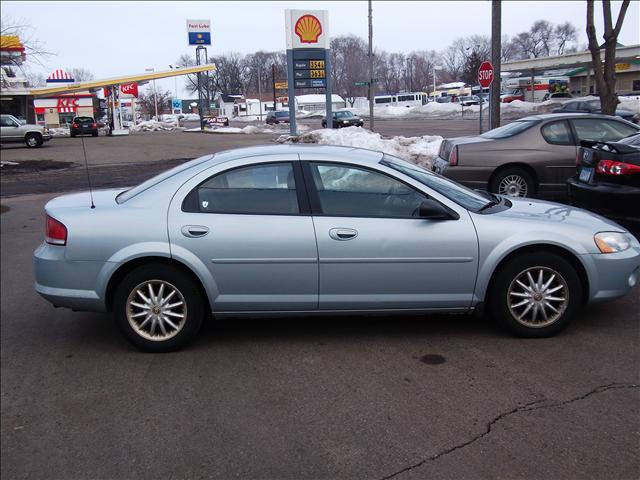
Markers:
point(274, 118)
point(593, 106)
point(84, 125)
point(531, 155)
point(608, 178)
point(344, 118)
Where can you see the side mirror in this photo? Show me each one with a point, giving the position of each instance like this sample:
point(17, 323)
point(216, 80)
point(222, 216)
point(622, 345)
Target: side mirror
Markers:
point(432, 210)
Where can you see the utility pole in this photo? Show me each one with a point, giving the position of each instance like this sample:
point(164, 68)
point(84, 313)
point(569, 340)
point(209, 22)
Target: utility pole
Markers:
point(370, 68)
point(496, 54)
point(273, 82)
point(260, 91)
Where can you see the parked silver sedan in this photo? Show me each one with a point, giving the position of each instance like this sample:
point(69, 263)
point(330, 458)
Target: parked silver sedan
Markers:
point(299, 230)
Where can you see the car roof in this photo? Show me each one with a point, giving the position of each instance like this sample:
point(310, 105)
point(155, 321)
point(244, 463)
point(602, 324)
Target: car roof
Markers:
point(306, 152)
point(555, 116)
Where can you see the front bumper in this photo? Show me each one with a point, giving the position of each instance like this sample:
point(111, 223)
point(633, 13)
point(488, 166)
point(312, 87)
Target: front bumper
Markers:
point(614, 199)
point(612, 275)
point(46, 137)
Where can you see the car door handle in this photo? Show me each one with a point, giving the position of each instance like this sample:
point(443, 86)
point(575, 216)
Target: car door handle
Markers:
point(194, 231)
point(343, 234)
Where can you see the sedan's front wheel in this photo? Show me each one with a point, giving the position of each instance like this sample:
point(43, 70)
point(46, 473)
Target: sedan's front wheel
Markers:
point(535, 295)
point(158, 307)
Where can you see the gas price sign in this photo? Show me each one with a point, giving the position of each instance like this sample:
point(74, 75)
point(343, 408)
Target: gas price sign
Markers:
point(309, 68)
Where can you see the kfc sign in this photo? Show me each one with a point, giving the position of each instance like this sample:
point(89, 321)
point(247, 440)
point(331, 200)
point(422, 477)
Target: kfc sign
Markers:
point(129, 89)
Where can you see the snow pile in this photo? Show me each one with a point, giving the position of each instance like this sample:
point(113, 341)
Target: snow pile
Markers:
point(418, 150)
point(249, 129)
point(154, 126)
point(6, 163)
point(59, 132)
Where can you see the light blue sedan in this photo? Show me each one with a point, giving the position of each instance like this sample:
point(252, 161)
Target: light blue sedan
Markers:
point(300, 230)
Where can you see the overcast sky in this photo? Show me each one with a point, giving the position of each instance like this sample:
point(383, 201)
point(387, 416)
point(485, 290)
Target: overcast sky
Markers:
point(116, 38)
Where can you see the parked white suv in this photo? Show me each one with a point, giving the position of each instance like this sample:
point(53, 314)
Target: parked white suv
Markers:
point(13, 131)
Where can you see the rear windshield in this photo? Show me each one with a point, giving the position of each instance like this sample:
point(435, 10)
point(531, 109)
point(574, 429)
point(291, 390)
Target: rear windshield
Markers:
point(132, 192)
point(282, 114)
point(84, 119)
point(510, 130)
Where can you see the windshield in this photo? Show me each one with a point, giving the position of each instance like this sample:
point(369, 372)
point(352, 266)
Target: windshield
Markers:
point(345, 114)
point(132, 192)
point(282, 114)
point(469, 199)
point(510, 129)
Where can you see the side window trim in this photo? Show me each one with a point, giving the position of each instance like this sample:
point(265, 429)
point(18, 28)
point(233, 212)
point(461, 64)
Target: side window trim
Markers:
point(314, 198)
point(190, 201)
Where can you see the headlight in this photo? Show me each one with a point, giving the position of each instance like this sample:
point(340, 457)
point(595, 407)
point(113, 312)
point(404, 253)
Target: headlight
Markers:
point(345, 121)
point(611, 242)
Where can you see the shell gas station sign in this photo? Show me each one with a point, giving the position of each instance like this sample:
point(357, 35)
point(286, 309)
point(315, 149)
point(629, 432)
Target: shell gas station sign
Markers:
point(308, 64)
point(307, 29)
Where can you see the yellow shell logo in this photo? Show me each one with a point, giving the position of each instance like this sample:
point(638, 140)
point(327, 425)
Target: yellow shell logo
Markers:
point(308, 28)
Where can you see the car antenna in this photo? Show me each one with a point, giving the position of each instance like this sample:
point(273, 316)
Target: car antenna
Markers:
point(86, 166)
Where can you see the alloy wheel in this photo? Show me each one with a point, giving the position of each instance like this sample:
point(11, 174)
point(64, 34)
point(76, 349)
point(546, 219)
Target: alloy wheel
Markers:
point(514, 186)
point(156, 310)
point(537, 297)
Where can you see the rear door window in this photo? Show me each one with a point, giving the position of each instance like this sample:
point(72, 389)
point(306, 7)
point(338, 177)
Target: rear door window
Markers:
point(557, 133)
point(268, 189)
point(601, 130)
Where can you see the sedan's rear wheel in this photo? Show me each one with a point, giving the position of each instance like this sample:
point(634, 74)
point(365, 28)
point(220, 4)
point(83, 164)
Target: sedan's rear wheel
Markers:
point(535, 295)
point(158, 308)
point(514, 182)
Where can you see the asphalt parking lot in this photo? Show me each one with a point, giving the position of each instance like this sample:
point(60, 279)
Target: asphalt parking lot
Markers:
point(367, 397)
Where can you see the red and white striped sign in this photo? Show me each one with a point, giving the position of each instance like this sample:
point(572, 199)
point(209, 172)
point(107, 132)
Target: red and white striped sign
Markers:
point(59, 75)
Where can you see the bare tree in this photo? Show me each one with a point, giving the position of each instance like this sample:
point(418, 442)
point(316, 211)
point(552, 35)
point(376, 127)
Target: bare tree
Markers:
point(81, 74)
point(147, 102)
point(349, 57)
point(563, 34)
point(605, 74)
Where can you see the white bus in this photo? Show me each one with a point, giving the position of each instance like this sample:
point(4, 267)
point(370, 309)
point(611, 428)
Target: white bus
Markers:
point(409, 99)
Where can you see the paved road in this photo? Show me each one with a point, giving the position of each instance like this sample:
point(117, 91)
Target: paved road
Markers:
point(370, 398)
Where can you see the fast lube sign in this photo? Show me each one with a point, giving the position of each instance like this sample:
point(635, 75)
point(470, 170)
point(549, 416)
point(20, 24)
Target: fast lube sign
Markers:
point(308, 65)
point(199, 32)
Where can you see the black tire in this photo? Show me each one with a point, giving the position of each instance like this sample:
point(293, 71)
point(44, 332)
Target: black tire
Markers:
point(33, 140)
point(518, 175)
point(72, 135)
point(186, 286)
point(324, 124)
point(504, 282)
point(94, 134)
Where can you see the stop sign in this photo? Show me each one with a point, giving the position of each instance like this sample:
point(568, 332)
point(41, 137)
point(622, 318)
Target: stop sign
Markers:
point(485, 74)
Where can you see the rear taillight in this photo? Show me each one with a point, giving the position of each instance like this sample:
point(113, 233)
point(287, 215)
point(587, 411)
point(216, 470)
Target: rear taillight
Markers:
point(74, 125)
point(609, 167)
point(56, 232)
point(93, 125)
point(578, 155)
point(453, 156)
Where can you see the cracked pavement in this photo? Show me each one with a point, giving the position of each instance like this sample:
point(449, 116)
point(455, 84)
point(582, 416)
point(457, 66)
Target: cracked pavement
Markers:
point(443, 397)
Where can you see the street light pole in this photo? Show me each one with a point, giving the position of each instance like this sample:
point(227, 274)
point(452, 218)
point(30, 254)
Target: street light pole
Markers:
point(155, 92)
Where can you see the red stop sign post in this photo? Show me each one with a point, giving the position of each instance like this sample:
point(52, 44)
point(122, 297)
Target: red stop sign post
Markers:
point(485, 77)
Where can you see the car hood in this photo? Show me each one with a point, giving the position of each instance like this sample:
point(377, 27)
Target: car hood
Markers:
point(549, 213)
point(101, 198)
